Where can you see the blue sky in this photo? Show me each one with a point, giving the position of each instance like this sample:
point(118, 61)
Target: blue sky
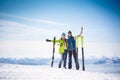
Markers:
point(23, 21)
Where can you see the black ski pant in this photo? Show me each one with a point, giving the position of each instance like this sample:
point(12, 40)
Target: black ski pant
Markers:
point(77, 53)
point(73, 52)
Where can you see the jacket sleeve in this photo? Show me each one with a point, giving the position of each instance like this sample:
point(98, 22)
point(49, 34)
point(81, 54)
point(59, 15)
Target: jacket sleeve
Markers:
point(57, 41)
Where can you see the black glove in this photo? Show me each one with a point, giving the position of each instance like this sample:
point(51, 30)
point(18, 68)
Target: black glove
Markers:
point(48, 40)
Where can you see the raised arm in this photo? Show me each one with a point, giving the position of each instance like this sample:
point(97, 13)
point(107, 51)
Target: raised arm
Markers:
point(80, 32)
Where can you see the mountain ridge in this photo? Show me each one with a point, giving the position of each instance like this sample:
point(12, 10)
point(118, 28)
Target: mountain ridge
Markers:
point(47, 61)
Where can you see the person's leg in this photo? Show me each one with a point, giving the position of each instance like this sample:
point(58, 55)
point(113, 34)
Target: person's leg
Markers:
point(77, 52)
point(65, 58)
point(70, 60)
point(76, 59)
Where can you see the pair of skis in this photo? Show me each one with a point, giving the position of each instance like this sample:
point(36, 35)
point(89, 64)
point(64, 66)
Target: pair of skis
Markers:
point(53, 50)
point(82, 47)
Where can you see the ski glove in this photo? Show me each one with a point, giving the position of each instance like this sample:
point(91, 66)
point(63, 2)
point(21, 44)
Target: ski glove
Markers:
point(48, 40)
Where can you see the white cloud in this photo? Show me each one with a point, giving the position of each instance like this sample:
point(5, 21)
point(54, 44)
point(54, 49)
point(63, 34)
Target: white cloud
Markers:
point(35, 20)
point(14, 30)
point(18, 30)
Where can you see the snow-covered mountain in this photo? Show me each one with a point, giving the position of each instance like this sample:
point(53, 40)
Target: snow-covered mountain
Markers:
point(102, 60)
point(46, 61)
point(26, 61)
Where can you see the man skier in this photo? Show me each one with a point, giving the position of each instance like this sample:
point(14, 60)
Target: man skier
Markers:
point(71, 41)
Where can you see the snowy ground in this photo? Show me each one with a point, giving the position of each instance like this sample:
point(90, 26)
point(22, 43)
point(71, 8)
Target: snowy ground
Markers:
point(25, 72)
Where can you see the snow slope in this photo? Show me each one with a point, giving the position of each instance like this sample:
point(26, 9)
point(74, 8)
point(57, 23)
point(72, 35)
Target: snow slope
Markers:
point(27, 72)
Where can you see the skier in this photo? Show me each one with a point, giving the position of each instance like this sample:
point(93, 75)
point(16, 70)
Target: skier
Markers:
point(72, 49)
point(62, 49)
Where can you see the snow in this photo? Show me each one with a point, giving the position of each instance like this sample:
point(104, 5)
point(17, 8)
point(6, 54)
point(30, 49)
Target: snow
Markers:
point(45, 72)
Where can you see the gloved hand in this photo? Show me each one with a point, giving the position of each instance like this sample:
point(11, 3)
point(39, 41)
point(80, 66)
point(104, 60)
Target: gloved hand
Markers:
point(48, 40)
